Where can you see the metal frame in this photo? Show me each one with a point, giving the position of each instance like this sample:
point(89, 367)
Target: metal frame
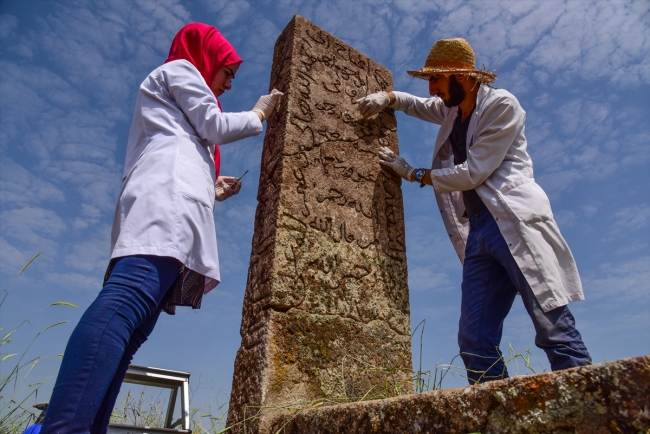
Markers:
point(165, 378)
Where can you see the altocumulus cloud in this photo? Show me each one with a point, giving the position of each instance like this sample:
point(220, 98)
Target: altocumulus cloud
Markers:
point(69, 73)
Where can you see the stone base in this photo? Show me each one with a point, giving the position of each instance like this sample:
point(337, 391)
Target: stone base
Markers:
point(604, 398)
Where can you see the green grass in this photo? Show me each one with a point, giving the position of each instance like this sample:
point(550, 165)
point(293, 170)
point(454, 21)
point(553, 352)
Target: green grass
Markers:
point(421, 381)
point(518, 363)
point(147, 406)
point(141, 411)
point(17, 387)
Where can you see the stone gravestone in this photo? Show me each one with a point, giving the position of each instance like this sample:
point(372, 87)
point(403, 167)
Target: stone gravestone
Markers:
point(326, 309)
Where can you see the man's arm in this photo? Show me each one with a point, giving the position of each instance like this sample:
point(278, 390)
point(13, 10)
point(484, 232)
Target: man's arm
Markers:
point(426, 109)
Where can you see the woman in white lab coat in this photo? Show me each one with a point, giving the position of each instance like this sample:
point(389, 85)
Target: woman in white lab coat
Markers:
point(163, 243)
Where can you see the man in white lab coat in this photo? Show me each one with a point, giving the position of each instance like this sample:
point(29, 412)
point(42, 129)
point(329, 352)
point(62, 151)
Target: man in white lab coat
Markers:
point(498, 219)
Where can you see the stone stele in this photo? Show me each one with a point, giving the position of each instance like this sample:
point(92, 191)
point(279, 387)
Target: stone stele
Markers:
point(326, 309)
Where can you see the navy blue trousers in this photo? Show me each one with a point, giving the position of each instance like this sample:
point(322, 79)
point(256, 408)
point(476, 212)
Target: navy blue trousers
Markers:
point(491, 280)
point(102, 345)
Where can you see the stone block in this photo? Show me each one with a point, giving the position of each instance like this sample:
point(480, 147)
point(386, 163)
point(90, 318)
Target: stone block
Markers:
point(326, 308)
point(604, 398)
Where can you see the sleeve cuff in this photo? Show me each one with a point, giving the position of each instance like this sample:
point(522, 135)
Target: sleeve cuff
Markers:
point(401, 101)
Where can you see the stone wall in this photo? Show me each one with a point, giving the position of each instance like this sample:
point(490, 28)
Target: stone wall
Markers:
point(326, 309)
point(604, 398)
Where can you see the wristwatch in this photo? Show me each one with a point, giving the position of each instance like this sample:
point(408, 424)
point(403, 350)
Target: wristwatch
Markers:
point(419, 174)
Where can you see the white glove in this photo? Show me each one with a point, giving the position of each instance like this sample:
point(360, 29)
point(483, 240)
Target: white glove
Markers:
point(388, 158)
point(268, 103)
point(225, 187)
point(373, 103)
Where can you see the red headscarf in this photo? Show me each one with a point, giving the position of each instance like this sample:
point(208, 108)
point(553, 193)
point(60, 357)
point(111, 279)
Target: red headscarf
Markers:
point(205, 48)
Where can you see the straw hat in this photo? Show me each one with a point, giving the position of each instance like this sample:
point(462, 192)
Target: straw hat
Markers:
point(452, 56)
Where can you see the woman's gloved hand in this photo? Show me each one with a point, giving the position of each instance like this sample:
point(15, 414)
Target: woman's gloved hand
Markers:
point(225, 187)
point(373, 103)
point(388, 158)
point(268, 103)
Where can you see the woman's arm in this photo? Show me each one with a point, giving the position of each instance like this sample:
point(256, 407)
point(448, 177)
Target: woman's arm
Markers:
point(195, 99)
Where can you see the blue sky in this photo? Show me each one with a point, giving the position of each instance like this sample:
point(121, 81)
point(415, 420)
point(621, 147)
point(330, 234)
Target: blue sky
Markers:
point(70, 70)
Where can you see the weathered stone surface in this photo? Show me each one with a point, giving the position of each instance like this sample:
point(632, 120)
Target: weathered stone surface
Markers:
point(326, 309)
point(604, 398)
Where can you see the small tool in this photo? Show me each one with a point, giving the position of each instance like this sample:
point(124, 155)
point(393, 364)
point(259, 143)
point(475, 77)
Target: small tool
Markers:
point(237, 179)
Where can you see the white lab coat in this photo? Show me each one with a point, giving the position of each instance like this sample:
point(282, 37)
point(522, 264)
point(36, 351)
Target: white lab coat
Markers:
point(165, 207)
point(500, 169)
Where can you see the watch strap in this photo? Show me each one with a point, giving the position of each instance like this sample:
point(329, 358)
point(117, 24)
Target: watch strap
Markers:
point(408, 175)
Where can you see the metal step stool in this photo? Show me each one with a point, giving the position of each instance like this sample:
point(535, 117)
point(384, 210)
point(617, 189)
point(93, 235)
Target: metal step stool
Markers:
point(177, 381)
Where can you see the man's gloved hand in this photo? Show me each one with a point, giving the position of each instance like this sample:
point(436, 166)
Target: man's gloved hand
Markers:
point(225, 187)
point(388, 158)
point(268, 103)
point(373, 103)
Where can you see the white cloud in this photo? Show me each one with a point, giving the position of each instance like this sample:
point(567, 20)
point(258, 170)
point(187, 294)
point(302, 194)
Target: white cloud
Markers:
point(416, 6)
point(590, 210)
point(237, 215)
point(61, 110)
point(543, 99)
point(12, 258)
point(7, 25)
point(31, 224)
point(426, 231)
point(580, 69)
point(433, 312)
point(19, 187)
point(234, 221)
point(75, 281)
point(227, 12)
point(632, 218)
point(90, 255)
point(531, 21)
point(565, 218)
point(581, 139)
point(581, 38)
point(555, 182)
point(623, 324)
point(597, 40)
point(425, 279)
point(25, 232)
point(631, 248)
point(409, 27)
point(622, 283)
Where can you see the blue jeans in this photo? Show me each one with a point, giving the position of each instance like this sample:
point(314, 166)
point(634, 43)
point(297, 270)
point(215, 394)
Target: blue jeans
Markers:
point(491, 280)
point(102, 345)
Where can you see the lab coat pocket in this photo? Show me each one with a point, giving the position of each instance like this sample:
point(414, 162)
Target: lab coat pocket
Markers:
point(195, 182)
point(196, 199)
point(526, 200)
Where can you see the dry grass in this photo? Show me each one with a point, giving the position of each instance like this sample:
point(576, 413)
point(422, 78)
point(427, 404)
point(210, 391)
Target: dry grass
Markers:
point(16, 386)
point(420, 381)
point(16, 389)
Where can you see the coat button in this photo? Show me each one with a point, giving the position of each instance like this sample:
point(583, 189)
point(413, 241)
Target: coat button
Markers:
point(510, 245)
point(496, 218)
